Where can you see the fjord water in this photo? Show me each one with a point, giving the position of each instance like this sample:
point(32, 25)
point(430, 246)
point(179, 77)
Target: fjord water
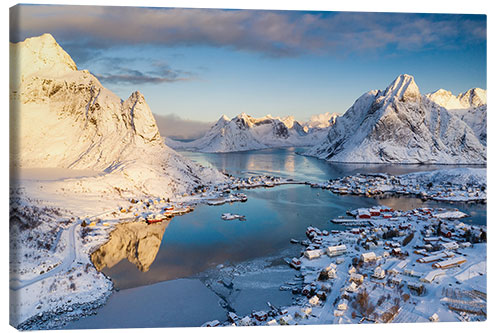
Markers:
point(199, 240)
point(196, 242)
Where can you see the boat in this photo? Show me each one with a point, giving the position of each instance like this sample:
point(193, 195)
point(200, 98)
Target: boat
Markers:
point(229, 217)
point(153, 218)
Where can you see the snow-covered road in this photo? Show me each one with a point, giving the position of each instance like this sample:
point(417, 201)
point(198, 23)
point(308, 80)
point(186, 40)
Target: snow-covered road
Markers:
point(16, 284)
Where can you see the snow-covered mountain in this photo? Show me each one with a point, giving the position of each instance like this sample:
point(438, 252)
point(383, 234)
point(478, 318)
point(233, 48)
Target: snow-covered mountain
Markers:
point(470, 106)
point(63, 117)
point(472, 98)
point(244, 132)
point(320, 121)
point(399, 125)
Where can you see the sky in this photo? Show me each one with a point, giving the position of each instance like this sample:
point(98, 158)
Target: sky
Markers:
point(197, 64)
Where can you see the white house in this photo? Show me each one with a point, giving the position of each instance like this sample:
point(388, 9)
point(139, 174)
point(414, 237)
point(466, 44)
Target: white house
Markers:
point(333, 251)
point(306, 310)
point(450, 246)
point(379, 273)
point(314, 300)
point(286, 320)
point(358, 278)
point(352, 287)
point(313, 254)
point(369, 256)
point(331, 270)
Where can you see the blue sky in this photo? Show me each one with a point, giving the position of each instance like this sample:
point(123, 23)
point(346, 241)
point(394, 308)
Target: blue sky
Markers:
point(198, 64)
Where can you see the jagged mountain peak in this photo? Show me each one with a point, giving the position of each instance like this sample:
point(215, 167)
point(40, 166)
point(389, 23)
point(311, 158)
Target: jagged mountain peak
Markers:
point(136, 96)
point(223, 120)
point(442, 92)
point(104, 129)
point(289, 121)
point(445, 99)
point(141, 117)
point(474, 97)
point(403, 88)
point(397, 125)
point(36, 54)
point(242, 115)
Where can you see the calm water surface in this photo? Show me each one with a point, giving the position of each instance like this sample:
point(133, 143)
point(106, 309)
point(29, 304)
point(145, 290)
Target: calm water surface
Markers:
point(200, 240)
point(157, 259)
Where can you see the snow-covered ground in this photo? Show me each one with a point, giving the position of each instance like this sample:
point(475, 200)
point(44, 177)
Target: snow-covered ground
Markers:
point(459, 184)
point(57, 223)
point(379, 277)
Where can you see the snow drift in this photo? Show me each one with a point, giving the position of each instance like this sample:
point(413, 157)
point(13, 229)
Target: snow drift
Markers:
point(399, 125)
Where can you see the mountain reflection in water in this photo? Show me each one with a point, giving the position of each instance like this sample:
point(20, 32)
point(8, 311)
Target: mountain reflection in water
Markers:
point(135, 241)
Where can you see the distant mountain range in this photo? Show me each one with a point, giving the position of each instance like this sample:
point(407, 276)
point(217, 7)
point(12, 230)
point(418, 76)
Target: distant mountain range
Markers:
point(400, 125)
point(394, 125)
point(244, 132)
point(63, 117)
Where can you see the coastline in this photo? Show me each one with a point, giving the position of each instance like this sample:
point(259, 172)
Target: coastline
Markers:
point(104, 225)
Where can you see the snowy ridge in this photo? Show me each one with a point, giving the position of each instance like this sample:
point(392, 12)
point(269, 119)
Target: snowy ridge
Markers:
point(65, 118)
point(244, 132)
point(399, 125)
point(471, 107)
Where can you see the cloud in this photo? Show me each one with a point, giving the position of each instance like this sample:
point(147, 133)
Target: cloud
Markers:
point(119, 72)
point(272, 33)
point(175, 127)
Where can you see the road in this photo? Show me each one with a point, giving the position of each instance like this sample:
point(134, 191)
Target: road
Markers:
point(16, 284)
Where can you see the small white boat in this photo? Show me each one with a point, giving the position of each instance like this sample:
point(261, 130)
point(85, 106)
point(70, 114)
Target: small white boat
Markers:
point(229, 217)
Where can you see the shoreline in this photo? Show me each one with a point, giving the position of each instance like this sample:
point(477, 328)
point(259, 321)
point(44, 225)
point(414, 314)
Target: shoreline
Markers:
point(36, 320)
point(102, 225)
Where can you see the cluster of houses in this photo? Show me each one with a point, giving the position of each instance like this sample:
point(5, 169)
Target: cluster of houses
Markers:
point(380, 183)
point(259, 181)
point(394, 262)
point(154, 210)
